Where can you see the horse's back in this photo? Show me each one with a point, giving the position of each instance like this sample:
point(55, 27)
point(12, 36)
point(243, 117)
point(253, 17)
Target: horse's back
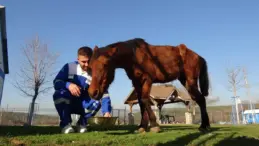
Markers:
point(162, 62)
point(164, 51)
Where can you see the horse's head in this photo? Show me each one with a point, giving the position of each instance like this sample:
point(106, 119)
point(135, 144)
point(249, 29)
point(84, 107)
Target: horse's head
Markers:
point(102, 69)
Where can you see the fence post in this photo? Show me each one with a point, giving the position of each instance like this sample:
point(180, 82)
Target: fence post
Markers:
point(222, 115)
point(1, 116)
point(119, 116)
point(125, 116)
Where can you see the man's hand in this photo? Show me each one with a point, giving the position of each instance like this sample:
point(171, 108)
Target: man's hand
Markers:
point(74, 89)
point(107, 114)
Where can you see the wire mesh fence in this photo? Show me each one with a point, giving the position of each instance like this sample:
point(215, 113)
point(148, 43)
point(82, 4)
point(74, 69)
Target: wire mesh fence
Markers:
point(46, 116)
point(49, 116)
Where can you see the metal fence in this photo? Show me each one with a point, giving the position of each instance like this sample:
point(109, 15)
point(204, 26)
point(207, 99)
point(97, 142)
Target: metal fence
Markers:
point(46, 116)
point(178, 116)
point(49, 116)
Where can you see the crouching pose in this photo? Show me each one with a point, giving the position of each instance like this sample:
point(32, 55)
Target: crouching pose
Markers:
point(71, 94)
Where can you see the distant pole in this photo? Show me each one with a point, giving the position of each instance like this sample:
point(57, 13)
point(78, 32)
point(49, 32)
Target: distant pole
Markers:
point(238, 121)
point(236, 102)
point(248, 93)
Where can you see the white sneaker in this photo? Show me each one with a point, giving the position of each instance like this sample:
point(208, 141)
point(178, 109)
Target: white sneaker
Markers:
point(81, 129)
point(67, 129)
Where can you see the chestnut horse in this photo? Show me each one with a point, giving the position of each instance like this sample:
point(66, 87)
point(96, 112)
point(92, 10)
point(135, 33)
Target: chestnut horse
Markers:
point(146, 64)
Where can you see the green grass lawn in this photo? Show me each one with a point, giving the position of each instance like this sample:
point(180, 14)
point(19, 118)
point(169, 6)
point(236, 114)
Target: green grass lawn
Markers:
point(178, 135)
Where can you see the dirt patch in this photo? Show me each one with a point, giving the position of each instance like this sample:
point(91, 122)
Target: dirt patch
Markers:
point(17, 142)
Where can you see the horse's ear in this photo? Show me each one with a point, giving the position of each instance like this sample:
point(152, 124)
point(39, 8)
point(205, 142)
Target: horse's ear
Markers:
point(183, 46)
point(112, 51)
point(96, 48)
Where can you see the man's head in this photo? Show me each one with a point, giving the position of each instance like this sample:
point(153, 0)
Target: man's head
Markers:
point(83, 56)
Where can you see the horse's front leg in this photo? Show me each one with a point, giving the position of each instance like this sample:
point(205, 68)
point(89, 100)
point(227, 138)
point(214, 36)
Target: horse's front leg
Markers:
point(146, 88)
point(144, 117)
point(144, 114)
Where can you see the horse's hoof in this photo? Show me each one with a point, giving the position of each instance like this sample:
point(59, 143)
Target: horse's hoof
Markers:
point(204, 130)
point(208, 128)
point(155, 129)
point(141, 130)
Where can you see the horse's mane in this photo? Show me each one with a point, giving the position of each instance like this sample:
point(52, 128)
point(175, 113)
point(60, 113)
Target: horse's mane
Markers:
point(132, 42)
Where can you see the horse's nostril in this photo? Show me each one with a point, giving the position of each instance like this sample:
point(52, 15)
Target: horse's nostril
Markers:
point(95, 93)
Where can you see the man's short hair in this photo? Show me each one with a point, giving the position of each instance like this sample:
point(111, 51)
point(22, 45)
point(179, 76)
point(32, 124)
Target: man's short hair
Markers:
point(85, 51)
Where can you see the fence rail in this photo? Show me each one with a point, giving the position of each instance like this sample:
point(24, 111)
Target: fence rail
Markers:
point(49, 116)
point(45, 116)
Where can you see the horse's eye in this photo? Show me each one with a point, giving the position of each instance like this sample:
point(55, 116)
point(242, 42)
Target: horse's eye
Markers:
point(105, 65)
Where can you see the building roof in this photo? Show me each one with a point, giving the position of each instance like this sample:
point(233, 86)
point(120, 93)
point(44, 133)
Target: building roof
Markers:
point(161, 91)
point(158, 92)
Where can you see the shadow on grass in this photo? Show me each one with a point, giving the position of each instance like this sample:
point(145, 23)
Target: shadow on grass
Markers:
point(203, 142)
point(238, 141)
point(227, 141)
point(43, 130)
point(181, 141)
point(121, 133)
point(113, 128)
point(10, 131)
point(175, 127)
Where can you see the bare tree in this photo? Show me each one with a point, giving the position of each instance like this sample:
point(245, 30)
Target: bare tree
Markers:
point(234, 79)
point(35, 72)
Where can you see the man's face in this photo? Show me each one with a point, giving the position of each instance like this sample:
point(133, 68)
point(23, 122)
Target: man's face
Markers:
point(83, 61)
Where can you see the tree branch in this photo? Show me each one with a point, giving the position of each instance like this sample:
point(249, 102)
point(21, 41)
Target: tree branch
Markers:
point(234, 79)
point(34, 74)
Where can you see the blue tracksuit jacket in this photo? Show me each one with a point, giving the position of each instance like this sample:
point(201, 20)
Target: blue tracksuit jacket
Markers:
point(65, 103)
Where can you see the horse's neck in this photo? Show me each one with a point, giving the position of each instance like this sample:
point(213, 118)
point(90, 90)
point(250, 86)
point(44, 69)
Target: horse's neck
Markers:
point(120, 62)
point(122, 59)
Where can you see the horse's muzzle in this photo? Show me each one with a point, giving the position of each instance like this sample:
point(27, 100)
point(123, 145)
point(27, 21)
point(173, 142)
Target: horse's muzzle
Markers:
point(94, 94)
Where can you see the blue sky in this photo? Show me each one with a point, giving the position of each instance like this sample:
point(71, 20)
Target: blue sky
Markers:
point(225, 33)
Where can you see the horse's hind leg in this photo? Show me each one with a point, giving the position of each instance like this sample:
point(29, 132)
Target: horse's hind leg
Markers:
point(182, 80)
point(196, 95)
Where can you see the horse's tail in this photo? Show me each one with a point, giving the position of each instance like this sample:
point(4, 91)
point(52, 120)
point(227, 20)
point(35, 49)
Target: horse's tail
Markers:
point(204, 77)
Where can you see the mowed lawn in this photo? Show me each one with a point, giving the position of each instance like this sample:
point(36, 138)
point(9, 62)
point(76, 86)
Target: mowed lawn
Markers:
point(176, 135)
